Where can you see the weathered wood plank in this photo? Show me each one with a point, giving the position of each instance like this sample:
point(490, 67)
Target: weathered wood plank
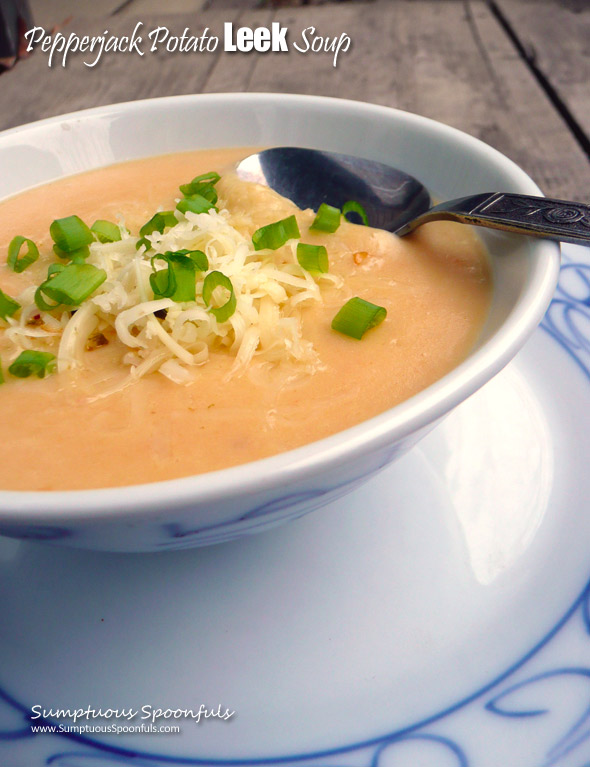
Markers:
point(139, 8)
point(451, 61)
point(556, 37)
point(117, 77)
point(530, 129)
point(57, 12)
point(233, 71)
point(242, 4)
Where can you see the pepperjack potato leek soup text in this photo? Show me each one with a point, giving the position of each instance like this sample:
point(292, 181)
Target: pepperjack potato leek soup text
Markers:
point(162, 318)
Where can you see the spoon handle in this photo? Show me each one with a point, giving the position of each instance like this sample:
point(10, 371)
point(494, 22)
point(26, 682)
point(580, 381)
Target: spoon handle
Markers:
point(537, 216)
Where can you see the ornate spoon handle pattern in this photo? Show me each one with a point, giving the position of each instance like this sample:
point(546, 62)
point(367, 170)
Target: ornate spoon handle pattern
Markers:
point(537, 216)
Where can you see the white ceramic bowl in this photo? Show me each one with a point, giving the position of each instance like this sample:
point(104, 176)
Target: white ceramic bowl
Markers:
point(215, 507)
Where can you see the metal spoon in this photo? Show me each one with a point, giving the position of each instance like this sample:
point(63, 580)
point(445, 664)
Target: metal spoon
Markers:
point(396, 201)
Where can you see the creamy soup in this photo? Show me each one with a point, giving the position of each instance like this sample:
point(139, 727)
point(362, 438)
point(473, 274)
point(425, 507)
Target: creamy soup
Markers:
point(93, 424)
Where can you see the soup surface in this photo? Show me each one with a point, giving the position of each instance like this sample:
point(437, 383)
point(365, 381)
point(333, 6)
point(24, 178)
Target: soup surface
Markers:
point(87, 428)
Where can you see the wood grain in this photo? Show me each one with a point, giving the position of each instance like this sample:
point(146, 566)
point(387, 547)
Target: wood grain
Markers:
point(118, 77)
point(526, 125)
point(556, 38)
point(452, 61)
point(140, 8)
point(56, 12)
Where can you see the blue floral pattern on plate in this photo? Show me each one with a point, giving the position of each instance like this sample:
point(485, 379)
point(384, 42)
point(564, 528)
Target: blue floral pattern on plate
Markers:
point(518, 703)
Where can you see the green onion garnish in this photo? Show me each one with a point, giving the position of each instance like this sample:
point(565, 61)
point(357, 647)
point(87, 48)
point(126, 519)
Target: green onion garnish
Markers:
point(177, 280)
point(202, 190)
point(357, 316)
point(41, 303)
point(196, 203)
point(215, 280)
point(8, 306)
point(70, 233)
point(30, 363)
point(54, 269)
point(163, 281)
point(70, 286)
point(77, 256)
point(39, 300)
point(157, 223)
point(202, 185)
point(206, 178)
point(198, 258)
point(106, 231)
point(17, 262)
point(355, 207)
point(200, 182)
point(275, 235)
point(314, 258)
point(327, 218)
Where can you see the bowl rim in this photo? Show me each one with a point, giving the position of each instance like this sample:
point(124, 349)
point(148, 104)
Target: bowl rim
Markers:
point(314, 458)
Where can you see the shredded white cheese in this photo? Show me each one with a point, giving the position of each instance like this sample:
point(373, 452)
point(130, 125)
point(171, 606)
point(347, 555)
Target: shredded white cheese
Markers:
point(176, 338)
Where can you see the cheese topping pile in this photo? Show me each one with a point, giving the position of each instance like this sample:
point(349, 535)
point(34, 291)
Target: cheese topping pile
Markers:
point(174, 338)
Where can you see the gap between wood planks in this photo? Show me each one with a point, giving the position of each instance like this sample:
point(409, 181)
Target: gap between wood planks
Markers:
point(257, 5)
point(529, 58)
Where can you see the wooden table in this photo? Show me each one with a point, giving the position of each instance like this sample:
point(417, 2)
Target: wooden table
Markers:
point(515, 73)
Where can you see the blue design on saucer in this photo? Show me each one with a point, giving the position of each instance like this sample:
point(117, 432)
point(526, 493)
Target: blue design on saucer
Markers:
point(38, 533)
point(515, 697)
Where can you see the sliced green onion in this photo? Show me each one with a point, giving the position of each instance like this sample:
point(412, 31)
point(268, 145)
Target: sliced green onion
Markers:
point(77, 256)
point(196, 203)
point(314, 258)
point(41, 303)
point(106, 231)
point(202, 185)
point(177, 281)
point(355, 207)
point(70, 233)
point(275, 235)
point(30, 363)
point(54, 269)
point(158, 222)
point(215, 280)
point(198, 258)
point(163, 281)
point(203, 190)
point(39, 300)
point(206, 178)
point(327, 218)
point(208, 192)
point(357, 316)
point(8, 306)
point(17, 262)
point(70, 286)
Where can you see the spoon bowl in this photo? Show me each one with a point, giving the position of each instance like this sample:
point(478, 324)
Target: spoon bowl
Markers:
point(309, 177)
point(398, 202)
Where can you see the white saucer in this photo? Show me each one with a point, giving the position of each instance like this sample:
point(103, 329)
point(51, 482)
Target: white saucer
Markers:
point(436, 617)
